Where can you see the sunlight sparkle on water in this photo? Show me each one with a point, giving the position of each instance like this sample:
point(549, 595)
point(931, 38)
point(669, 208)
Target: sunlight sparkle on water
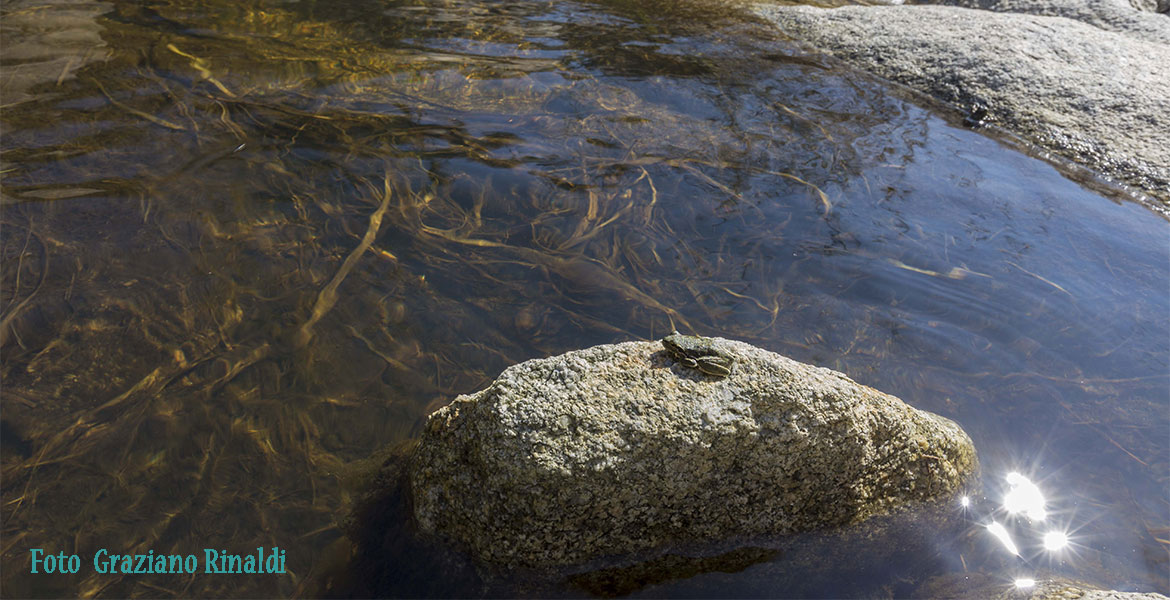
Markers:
point(1004, 537)
point(1024, 583)
point(1024, 497)
point(1055, 540)
point(965, 501)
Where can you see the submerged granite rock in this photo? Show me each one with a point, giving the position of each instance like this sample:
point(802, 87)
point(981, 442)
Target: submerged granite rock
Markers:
point(1085, 79)
point(981, 586)
point(618, 449)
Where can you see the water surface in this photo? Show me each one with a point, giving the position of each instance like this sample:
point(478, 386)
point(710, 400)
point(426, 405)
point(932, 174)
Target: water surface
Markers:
point(247, 244)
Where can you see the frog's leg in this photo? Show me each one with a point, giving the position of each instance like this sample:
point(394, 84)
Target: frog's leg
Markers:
point(688, 362)
point(713, 366)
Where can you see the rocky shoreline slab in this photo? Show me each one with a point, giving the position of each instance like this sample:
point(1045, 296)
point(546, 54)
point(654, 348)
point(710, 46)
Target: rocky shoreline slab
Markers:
point(1084, 79)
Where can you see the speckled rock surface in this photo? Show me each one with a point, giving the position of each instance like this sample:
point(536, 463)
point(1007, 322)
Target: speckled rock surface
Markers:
point(1135, 18)
point(617, 449)
point(1085, 79)
point(1070, 593)
point(972, 586)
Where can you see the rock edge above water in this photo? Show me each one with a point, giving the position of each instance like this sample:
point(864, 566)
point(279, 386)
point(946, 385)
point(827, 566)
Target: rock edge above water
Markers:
point(1084, 78)
point(617, 449)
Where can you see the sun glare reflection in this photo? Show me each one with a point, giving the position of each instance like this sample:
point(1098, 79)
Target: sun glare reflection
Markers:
point(1055, 540)
point(1024, 497)
point(1028, 539)
point(1005, 538)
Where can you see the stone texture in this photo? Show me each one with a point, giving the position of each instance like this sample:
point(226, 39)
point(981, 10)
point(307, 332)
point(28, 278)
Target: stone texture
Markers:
point(1090, 84)
point(973, 586)
point(1090, 594)
point(617, 449)
point(1137, 19)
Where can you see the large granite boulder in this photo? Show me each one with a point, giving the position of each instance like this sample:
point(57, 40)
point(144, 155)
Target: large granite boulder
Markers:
point(619, 449)
point(1085, 79)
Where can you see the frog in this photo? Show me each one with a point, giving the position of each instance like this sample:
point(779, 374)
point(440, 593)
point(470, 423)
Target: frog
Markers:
point(697, 352)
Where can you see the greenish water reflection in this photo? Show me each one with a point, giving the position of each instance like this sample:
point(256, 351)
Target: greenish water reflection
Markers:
point(246, 244)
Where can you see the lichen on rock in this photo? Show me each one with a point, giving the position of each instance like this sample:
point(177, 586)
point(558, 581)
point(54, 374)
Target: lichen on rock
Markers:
point(617, 449)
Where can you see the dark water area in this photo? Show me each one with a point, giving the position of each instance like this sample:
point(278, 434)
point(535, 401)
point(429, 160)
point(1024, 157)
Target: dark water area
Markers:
point(245, 245)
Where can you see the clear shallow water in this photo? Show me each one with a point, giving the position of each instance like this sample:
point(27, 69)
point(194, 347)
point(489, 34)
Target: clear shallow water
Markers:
point(201, 332)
